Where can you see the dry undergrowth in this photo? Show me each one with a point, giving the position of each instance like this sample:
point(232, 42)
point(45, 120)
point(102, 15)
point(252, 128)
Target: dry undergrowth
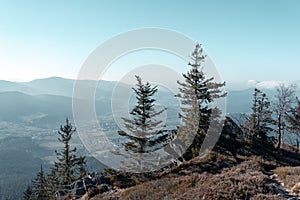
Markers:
point(290, 176)
point(244, 181)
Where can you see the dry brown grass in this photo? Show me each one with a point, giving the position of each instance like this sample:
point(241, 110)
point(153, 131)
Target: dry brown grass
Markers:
point(244, 181)
point(288, 175)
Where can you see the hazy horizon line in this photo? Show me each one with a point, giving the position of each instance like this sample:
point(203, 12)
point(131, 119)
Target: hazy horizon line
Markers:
point(74, 79)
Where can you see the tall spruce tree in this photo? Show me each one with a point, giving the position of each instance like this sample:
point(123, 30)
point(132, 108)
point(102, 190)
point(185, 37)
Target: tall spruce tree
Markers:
point(260, 121)
point(69, 167)
point(39, 187)
point(196, 94)
point(143, 128)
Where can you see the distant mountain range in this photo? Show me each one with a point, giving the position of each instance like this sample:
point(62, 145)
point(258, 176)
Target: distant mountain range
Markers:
point(50, 86)
point(268, 85)
point(51, 98)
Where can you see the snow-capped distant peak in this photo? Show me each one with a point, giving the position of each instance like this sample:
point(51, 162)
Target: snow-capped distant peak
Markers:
point(251, 83)
point(270, 84)
point(266, 84)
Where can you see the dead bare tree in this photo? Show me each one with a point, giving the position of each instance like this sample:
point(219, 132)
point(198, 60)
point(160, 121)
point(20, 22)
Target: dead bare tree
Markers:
point(285, 98)
point(293, 119)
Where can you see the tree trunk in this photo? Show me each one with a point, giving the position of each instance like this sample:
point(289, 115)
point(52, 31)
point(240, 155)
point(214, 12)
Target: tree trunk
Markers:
point(279, 133)
point(297, 140)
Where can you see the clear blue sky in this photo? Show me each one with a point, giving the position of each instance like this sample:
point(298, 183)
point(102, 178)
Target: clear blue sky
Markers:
point(246, 39)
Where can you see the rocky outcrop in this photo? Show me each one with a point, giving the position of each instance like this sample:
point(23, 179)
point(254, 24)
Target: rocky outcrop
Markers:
point(93, 183)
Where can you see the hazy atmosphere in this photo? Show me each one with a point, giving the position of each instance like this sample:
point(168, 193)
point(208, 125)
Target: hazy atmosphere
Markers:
point(138, 100)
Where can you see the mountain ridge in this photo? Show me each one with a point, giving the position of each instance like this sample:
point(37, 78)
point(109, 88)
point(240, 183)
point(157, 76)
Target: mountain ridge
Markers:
point(238, 101)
